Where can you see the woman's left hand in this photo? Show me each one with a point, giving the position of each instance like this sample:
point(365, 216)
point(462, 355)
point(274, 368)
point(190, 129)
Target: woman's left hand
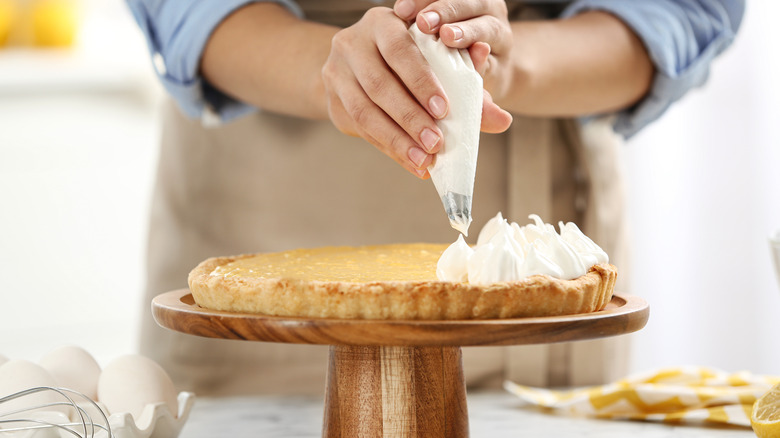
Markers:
point(481, 26)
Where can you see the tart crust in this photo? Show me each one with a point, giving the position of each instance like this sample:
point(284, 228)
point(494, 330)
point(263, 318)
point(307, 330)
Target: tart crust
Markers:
point(538, 295)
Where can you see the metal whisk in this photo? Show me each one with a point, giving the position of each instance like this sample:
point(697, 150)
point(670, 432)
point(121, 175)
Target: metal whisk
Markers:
point(18, 419)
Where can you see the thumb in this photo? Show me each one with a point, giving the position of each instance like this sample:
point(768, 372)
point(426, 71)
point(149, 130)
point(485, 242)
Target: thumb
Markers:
point(479, 53)
point(494, 119)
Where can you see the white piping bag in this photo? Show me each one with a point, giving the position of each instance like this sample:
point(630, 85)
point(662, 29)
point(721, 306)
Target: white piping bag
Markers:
point(455, 166)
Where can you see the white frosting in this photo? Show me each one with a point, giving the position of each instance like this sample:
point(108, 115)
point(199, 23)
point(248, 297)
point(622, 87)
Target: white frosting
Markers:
point(536, 263)
point(490, 229)
point(455, 166)
point(583, 245)
point(564, 256)
point(507, 252)
point(453, 263)
point(499, 259)
point(519, 234)
point(537, 229)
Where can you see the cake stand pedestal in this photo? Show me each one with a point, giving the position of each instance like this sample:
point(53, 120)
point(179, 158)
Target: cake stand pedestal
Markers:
point(397, 378)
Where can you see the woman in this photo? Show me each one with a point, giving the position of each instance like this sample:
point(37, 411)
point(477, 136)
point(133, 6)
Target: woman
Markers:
point(254, 156)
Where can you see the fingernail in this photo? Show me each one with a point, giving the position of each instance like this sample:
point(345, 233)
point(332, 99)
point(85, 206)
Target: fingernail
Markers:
point(417, 156)
point(404, 9)
point(438, 107)
point(431, 18)
point(457, 33)
point(429, 139)
point(420, 172)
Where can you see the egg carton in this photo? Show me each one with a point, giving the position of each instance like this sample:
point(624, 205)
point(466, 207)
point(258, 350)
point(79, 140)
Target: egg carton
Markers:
point(135, 397)
point(156, 420)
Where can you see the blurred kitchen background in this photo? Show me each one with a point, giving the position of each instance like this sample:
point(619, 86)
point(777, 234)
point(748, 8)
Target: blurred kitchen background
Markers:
point(78, 147)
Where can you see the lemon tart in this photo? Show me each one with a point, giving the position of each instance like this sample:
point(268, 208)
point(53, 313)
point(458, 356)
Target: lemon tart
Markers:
point(384, 282)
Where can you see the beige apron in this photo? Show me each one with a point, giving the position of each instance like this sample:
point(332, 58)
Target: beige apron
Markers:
point(269, 182)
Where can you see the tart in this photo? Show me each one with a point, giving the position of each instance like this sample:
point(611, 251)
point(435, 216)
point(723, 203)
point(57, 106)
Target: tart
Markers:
point(384, 282)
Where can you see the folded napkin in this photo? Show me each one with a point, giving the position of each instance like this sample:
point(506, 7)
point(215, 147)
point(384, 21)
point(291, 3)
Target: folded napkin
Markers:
point(678, 395)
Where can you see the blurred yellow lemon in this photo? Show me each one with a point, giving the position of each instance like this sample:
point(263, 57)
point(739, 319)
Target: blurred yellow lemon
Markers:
point(766, 414)
point(7, 18)
point(55, 23)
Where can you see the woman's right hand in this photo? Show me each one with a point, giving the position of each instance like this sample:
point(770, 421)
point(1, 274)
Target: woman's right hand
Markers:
point(379, 87)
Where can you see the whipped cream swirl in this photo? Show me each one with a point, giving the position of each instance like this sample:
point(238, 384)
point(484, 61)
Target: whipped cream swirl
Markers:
point(509, 252)
point(452, 265)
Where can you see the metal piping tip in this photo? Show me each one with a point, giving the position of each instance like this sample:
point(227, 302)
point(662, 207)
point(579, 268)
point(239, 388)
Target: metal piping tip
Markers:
point(458, 209)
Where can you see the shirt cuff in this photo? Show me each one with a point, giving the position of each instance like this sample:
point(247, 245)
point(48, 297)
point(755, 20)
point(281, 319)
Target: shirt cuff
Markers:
point(177, 50)
point(681, 49)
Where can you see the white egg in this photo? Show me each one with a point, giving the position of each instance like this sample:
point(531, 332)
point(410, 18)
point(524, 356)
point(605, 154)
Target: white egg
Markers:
point(129, 383)
point(18, 375)
point(73, 368)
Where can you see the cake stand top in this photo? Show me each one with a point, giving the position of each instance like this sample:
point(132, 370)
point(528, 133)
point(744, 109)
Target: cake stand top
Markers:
point(178, 311)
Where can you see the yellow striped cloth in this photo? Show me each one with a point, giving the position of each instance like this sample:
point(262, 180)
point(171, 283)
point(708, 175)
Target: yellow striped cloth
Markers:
point(678, 395)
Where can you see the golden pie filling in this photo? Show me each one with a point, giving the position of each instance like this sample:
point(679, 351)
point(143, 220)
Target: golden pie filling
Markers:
point(402, 262)
point(383, 282)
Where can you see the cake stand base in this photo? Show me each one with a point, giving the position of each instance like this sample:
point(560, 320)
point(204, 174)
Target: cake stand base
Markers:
point(395, 391)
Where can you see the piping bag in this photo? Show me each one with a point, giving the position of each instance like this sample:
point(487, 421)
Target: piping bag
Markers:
point(455, 166)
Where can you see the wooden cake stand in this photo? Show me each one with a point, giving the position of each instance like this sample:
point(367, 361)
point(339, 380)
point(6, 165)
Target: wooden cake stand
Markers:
point(396, 378)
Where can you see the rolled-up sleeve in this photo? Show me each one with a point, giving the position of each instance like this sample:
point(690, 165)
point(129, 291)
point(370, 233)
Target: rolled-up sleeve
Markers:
point(682, 38)
point(176, 32)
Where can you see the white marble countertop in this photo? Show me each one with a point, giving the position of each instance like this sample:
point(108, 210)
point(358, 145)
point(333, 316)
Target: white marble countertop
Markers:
point(491, 414)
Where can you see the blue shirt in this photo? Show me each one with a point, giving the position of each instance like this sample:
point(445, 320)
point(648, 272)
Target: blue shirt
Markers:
point(682, 38)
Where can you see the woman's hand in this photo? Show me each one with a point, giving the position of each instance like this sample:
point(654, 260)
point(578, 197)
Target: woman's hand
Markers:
point(379, 87)
point(591, 63)
point(481, 26)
